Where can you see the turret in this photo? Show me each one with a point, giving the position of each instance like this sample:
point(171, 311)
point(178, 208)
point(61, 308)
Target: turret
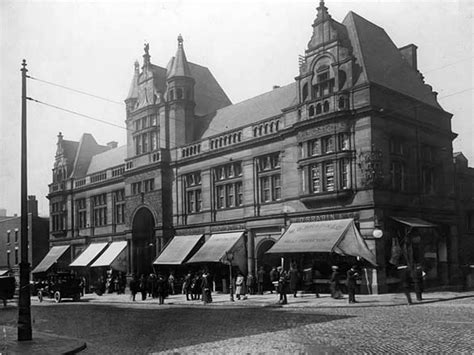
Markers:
point(132, 96)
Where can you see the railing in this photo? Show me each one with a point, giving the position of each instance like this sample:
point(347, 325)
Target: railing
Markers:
point(190, 150)
point(266, 127)
point(225, 140)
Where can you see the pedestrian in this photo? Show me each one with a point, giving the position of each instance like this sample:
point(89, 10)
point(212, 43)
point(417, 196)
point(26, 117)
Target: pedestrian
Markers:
point(206, 288)
point(188, 279)
point(418, 282)
point(240, 285)
point(160, 288)
point(405, 280)
point(143, 286)
point(251, 283)
point(283, 285)
point(274, 277)
point(196, 287)
point(171, 283)
point(260, 280)
point(335, 285)
point(352, 276)
point(294, 279)
point(133, 285)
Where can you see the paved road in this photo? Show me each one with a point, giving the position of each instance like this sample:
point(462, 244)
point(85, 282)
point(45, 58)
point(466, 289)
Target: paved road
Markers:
point(441, 327)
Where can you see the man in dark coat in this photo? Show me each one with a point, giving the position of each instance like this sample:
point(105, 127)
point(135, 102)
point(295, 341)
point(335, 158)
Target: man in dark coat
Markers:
point(160, 288)
point(283, 285)
point(188, 279)
point(274, 276)
point(206, 287)
point(405, 280)
point(418, 282)
point(294, 279)
point(352, 276)
point(134, 286)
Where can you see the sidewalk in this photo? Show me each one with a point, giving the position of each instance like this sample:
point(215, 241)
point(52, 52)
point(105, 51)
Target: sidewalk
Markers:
point(270, 300)
point(42, 343)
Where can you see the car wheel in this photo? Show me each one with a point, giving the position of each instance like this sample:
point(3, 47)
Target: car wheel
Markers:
point(40, 296)
point(57, 296)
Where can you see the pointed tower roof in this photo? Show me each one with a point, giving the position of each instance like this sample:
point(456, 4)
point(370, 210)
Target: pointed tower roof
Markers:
point(179, 65)
point(325, 29)
point(133, 91)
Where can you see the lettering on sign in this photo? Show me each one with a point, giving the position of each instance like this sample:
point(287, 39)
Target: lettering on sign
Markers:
point(322, 131)
point(326, 217)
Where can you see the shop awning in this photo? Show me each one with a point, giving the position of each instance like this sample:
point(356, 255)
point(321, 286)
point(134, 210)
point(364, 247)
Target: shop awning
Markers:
point(88, 255)
point(112, 255)
point(414, 222)
point(178, 250)
point(338, 236)
point(214, 250)
point(50, 259)
point(4, 272)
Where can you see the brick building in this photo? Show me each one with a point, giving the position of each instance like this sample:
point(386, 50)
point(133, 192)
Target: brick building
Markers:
point(10, 238)
point(357, 136)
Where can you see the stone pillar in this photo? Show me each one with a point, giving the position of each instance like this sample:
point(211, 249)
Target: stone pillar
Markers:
point(251, 251)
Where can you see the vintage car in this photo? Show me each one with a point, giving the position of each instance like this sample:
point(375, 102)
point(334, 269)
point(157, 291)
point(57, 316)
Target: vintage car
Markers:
point(7, 288)
point(58, 286)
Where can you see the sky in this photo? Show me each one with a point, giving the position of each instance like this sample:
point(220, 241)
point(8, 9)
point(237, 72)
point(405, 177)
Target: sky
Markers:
point(249, 46)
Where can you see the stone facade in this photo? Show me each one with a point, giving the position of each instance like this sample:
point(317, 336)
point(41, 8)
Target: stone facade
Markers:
point(357, 135)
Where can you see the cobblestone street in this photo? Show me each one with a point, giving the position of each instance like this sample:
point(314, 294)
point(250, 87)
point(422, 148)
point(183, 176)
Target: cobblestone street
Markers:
point(145, 327)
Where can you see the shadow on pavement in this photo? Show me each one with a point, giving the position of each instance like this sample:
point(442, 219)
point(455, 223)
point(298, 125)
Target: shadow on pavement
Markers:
point(115, 330)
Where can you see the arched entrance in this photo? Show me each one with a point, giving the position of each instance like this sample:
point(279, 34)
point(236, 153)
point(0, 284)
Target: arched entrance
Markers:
point(267, 260)
point(143, 242)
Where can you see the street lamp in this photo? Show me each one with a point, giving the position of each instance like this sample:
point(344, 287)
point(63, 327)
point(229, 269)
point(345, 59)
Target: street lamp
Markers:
point(230, 256)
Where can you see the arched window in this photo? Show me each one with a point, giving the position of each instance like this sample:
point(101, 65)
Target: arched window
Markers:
point(255, 131)
point(326, 106)
point(271, 127)
point(183, 153)
point(220, 142)
point(318, 109)
point(277, 125)
point(311, 110)
point(260, 130)
point(239, 137)
point(212, 144)
point(225, 140)
point(266, 128)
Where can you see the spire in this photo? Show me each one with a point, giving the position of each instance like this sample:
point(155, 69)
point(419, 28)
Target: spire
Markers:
point(133, 91)
point(323, 14)
point(180, 66)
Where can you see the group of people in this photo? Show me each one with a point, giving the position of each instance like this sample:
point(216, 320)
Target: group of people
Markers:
point(197, 286)
point(153, 285)
point(352, 275)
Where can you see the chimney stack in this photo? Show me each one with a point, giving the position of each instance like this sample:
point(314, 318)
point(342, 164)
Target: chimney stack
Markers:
point(32, 205)
point(409, 54)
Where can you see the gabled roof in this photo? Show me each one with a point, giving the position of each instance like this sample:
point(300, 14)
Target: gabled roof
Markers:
point(69, 150)
point(107, 159)
point(382, 62)
point(249, 111)
point(88, 147)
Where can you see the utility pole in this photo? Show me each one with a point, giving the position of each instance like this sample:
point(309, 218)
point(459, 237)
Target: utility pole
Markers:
point(24, 301)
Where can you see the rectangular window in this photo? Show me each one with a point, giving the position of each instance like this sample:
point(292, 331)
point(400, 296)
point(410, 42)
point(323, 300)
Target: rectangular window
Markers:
point(329, 176)
point(220, 196)
point(99, 210)
point(396, 146)
point(8, 258)
point(230, 195)
point(149, 185)
point(327, 144)
point(119, 206)
point(227, 189)
point(427, 175)
point(154, 140)
point(265, 193)
point(193, 192)
point(314, 147)
point(137, 125)
point(81, 217)
point(316, 178)
point(145, 142)
point(238, 191)
point(276, 187)
point(344, 141)
point(139, 145)
point(16, 256)
point(397, 172)
point(153, 120)
point(16, 235)
point(8, 237)
point(344, 170)
point(268, 169)
point(136, 188)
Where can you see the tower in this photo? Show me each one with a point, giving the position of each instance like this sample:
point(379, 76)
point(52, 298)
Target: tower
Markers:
point(180, 99)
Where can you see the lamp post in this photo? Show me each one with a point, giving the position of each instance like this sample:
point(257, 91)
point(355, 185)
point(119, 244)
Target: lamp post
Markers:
point(24, 302)
point(230, 256)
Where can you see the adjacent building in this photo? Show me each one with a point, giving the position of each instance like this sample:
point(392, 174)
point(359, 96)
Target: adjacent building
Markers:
point(358, 135)
point(10, 238)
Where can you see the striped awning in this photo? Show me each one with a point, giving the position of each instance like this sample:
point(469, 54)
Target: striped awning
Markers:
point(88, 255)
point(111, 254)
point(414, 222)
point(178, 250)
point(50, 259)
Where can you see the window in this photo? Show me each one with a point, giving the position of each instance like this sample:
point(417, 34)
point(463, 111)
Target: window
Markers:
point(154, 140)
point(397, 172)
point(228, 185)
point(137, 125)
point(428, 181)
point(8, 258)
point(327, 144)
point(345, 173)
point(8, 237)
point(344, 141)
point(81, 219)
point(324, 84)
point(16, 256)
point(136, 188)
point(153, 120)
point(396, 146)
point(427, 153)
point(149, 185)
point(144, 142)
point(99, 210)
point(58, 216)
point(316, 178)
point(16, 235)
point(269, 177)
point(329, 176)
point(119, 206)
point(314, 147)
point(192, 185)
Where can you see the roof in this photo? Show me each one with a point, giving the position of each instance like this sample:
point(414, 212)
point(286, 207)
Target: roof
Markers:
point(382, 62)
point(69, 149)
point(179, 66)
point(88, 147)
point(107, 159)
point(249, 111)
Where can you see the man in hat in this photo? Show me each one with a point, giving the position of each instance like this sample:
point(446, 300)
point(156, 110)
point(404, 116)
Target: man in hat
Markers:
point(352, 276)
point(334, 283)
